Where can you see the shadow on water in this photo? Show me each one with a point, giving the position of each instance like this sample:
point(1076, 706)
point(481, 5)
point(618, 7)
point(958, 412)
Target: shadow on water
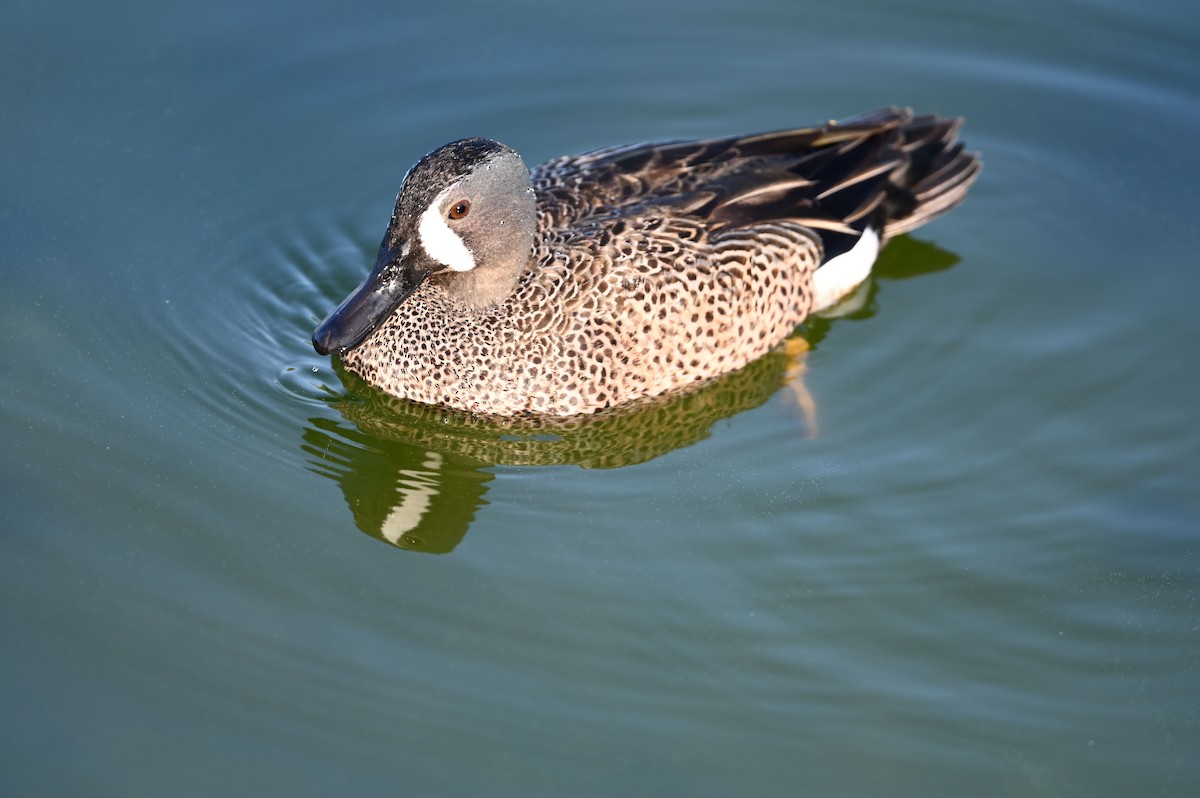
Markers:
point(414, 475)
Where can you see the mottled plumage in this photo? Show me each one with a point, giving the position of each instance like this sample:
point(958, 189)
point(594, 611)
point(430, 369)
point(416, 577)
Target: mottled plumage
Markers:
point(628, 272)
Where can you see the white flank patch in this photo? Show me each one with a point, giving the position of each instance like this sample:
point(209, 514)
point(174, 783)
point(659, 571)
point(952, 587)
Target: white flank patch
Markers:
point(839, 276)
point(443, 244)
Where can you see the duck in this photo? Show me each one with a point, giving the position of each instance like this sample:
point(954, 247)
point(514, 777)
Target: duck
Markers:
point(629, 272)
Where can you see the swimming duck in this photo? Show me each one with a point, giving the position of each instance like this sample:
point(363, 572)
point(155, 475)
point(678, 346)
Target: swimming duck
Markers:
point(623, 273)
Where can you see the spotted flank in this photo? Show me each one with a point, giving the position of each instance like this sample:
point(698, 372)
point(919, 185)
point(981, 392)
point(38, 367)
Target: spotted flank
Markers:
point(603, 278)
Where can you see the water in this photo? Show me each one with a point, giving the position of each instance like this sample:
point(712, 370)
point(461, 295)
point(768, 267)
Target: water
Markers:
point(970, 568)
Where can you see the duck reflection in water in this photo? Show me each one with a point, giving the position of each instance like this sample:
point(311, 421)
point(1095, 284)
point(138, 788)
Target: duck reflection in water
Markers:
point(414, 475)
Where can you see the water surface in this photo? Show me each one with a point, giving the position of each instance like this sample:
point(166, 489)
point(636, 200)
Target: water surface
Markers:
point(969, 567)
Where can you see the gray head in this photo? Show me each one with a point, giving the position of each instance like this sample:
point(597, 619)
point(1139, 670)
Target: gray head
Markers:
point(465, 214)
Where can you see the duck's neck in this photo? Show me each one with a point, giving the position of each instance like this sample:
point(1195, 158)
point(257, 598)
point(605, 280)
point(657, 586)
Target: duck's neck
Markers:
point(485, 287)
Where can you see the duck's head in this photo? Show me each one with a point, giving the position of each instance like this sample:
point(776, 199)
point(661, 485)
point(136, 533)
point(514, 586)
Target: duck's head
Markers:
point(465, 213)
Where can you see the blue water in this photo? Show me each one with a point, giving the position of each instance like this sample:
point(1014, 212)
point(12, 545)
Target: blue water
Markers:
point(970, 568)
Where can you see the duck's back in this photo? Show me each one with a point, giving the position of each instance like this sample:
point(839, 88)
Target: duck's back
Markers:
point(887, 166)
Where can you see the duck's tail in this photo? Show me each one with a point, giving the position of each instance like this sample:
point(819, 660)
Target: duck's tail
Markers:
point(878, 175)
point(934, 170)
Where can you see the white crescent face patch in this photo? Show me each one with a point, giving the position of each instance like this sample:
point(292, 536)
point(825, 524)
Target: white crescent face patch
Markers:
point(440, 242)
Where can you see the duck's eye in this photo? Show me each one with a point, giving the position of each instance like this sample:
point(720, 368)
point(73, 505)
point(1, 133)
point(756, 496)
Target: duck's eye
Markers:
point(460, 209)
